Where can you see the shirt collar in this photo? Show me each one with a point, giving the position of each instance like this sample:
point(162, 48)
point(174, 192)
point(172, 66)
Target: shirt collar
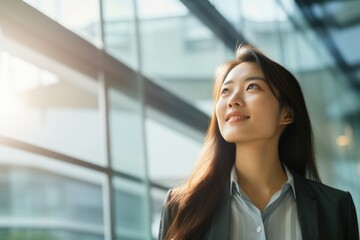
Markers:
point(234, 182)
point(290, 180)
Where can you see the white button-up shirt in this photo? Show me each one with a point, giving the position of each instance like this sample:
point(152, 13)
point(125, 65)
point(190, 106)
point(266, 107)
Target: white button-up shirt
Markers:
point(278, 221)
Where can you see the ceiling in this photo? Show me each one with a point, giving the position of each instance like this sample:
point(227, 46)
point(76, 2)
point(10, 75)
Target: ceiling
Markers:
point(337, 23)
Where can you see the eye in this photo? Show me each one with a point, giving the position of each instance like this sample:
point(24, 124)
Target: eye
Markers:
point(252, 86)
point(224, 91)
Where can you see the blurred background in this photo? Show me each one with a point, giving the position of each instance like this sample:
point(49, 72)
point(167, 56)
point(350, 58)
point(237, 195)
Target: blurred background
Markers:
point(104, 103)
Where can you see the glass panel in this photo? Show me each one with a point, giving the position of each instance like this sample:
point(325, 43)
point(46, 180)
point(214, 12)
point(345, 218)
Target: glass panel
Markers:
point(178, 51)
point(126, 138)
point(55, 109)
point(43, 198)
point(119, 30)
point(80, 16)
point(264, 23)
point(151, 9)
point(231, 10)
point(342, 123)
point(172, 149)
point(130, 210)
point(344, 41)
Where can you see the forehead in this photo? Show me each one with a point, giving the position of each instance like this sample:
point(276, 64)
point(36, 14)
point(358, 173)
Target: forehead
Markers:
point(243, 71)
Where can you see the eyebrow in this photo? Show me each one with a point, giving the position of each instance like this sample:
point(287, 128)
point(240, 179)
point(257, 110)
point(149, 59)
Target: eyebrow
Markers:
point(247, 79)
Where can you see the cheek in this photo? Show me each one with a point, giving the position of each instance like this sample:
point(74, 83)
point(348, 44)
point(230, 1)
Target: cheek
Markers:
point(268, 111)
point(219, 110)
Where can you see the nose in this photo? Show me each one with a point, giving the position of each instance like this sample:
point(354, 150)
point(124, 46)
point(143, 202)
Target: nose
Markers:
point(236, 100)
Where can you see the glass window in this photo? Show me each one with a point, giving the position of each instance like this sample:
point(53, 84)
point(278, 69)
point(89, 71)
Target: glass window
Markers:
point(55, 109)
point(150, 9)
point(39, 194)
point(131, 210)
point(126, 137)
point(80, 16)
point(172, 149)
point(119, 30)
point(178, 51)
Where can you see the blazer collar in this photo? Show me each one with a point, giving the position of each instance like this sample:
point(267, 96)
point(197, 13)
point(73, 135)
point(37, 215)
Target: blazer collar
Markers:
point(306, 203)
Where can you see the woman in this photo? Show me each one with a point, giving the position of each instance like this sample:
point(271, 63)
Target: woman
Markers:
point(250, 179)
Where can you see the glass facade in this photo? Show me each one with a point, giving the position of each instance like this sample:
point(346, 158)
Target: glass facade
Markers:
point(43, 198)
point(119, 34)
point(126, 134)
point(36, 103)
point(130, 210)
point(104, 103)
point(72, 15)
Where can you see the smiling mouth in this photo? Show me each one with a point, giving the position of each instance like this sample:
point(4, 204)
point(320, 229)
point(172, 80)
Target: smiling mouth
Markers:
point(237, 118)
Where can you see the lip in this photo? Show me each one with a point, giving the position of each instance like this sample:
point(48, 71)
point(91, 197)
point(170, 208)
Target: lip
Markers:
point(236, 117)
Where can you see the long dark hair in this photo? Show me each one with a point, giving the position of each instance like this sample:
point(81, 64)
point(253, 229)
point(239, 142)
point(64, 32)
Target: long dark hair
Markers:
point(193, 204)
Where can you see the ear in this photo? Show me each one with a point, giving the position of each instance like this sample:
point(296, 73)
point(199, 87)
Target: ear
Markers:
point(287, 116)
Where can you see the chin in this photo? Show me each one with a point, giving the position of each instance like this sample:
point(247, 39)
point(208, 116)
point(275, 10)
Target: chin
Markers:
point(233, 139)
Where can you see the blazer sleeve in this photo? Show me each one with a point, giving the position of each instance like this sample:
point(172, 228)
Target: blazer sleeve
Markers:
point(352, 224)
point(165, 217)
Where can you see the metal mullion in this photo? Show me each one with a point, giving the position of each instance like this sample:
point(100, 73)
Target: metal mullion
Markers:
point(27, 147)
point(101, 25)
point(141, 90)
point(108, 195)
point(159, 186)
point(14, 143)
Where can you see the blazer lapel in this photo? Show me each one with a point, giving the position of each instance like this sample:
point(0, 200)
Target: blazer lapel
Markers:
point(307, 209)
point(220, 222)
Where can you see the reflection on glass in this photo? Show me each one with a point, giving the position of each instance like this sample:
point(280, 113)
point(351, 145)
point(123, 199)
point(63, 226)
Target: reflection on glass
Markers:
point(58, 112)
point(42, 198)
point(119, 30)
point(255, 10)
point(150, 9)
point(130, 210)
point(126, 138)
point(178, 51)
point(80, 16)
point(171, 150)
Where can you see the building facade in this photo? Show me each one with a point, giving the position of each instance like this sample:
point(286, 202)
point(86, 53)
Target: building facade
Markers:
point(104, 104)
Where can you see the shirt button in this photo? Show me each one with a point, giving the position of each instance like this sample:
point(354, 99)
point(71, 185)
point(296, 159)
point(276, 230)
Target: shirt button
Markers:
point(258, 229)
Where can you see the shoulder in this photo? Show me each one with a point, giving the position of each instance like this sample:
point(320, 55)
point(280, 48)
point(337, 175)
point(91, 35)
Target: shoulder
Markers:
point(170, 199)
point(335, 208)
point(165, 217)
point(324, 190)
point(166, 208)
point(168, 212)
point(168, 196)
point(334, 202)
point(326, 195)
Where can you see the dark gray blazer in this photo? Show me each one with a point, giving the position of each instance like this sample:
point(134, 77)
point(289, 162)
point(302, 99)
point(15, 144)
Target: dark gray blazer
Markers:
point(324, 213)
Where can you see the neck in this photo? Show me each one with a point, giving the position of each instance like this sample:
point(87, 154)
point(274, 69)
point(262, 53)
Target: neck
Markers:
point(258, 168)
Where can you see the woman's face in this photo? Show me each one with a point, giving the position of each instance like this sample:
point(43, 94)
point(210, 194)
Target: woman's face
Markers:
point(247, 109)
